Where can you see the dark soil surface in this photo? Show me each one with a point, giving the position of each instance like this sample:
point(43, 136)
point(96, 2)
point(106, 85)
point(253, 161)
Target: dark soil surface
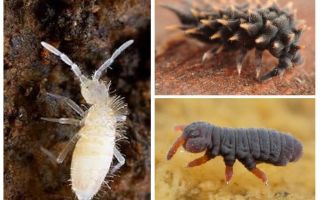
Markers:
point(179, 69)
point(88, 32)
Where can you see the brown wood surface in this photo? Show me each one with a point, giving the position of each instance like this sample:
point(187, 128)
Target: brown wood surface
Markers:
point(179, 69)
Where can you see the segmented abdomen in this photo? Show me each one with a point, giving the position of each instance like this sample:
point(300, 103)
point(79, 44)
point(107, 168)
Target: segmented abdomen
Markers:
point(91, 161)
point(251, 146)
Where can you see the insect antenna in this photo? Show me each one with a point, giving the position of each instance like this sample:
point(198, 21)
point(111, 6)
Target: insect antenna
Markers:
point(74, 67)
point(107, 63)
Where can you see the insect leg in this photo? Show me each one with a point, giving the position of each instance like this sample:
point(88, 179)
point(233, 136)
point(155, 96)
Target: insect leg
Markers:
point(260, 174)
point(284, 63)
point(69, 102)
point(64, 152)
point(70, 121)
point(228, 173)
point(274, 72)
point(250, 164)
point(120, 158)
point(229, 161)
point(240, 58)
point(65, 59)
point(208, 54)
point(258, 62)
point(107, 63)
point(199, 161)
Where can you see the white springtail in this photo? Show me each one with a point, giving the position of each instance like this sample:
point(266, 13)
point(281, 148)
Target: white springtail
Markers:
point(100, 125)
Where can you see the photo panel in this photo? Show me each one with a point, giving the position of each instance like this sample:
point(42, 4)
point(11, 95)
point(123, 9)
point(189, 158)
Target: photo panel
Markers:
point(233, 148)
point(223, 47)
point(77, 100)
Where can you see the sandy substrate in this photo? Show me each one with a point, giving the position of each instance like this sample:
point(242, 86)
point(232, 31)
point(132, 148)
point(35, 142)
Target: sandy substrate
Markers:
point(179, 69)
point(296, 181)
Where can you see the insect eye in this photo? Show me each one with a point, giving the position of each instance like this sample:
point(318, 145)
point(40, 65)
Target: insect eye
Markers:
point(194, 133)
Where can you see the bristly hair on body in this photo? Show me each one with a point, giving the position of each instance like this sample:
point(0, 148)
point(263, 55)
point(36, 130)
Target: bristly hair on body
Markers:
point(102, 125)
point(242, 27)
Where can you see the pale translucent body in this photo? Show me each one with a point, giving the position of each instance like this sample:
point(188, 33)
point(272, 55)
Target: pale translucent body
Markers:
point(100, 126)
point(93, 153)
